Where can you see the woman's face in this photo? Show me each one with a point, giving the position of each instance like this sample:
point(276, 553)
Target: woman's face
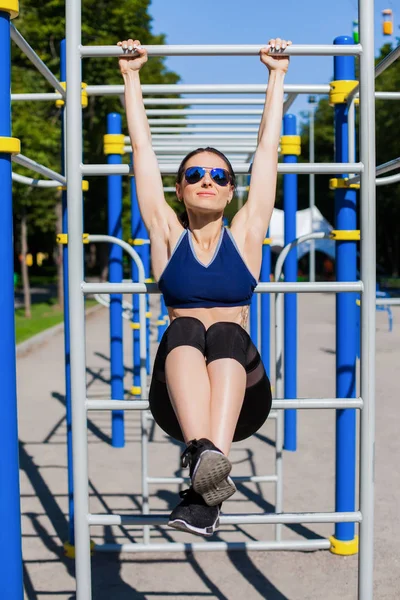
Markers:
point(206, 195)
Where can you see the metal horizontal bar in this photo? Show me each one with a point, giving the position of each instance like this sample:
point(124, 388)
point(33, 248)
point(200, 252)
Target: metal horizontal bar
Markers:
point(183, 131)
point(311, 403)
point(240, 188)
point(205, 102)
point(207, 88)
point(387, 61)
point(98, 404)
point(179, 137)
point(51, 97)
point(310, 545)
point(277, 287)
point(300, 168)
point(24, 161)
point(387, 95)
point(225, 147)
point(387, 180)
point(379, 68)
point(181, 112)
point(34, 182)
point(237, 479)
point(225, 50)
point(388, 301)
point(277, 404)
point(166, 123)
point(35, 60)
point(386, 167)
point(36, 97)
point(254, 519)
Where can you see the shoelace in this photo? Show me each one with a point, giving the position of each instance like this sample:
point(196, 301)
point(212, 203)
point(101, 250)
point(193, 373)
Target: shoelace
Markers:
point(187, 454)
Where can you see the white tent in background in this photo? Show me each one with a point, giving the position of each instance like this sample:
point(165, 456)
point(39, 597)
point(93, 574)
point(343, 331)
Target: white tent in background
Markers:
point(307, 221)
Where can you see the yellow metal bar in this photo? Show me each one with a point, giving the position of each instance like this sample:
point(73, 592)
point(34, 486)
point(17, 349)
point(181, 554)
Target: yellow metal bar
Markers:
point(10, 145)
point(345, 234)
point(342, 183)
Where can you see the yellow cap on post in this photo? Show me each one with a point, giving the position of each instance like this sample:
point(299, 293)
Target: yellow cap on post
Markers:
point(85, 186)
point(339, 90)
point(62, 238)
point(342, 183)
point(10, 145)
point(11, 7)
point(291, 144)
point(344, 548)
point(84, 97)
point(114, 143)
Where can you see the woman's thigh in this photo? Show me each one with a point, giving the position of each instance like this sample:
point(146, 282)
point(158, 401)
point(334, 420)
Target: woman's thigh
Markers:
point(257, 400)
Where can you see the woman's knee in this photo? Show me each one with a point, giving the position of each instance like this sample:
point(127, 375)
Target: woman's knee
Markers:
point(226, 340)
point(186, 331)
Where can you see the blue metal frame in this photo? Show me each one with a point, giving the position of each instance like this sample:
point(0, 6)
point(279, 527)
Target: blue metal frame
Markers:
point(346, 313)
point(135, 219)
point(10, 546)
point(290, 273)
point(67, 344)
point(266, 309)
point(115, 275)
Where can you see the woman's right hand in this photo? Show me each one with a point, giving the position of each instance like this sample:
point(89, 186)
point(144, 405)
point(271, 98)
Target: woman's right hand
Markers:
point(134, 56)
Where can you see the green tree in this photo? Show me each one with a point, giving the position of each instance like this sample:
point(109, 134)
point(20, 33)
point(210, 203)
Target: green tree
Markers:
point(38, 124)
point(387, 197)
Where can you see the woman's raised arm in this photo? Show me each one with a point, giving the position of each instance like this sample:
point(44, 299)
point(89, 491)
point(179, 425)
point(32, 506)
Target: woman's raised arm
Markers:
point(255, 215)
point(155, 211)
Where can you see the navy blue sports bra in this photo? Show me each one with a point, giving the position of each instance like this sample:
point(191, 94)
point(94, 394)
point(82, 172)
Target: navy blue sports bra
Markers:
point(225, 281)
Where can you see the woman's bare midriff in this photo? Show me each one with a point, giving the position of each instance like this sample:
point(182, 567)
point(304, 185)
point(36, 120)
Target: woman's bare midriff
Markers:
point(209, 316)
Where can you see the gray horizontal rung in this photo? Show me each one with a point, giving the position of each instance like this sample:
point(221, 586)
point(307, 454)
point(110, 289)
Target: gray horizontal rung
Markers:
point(318, 403)
point(262, 287)
point(217, 546)
point(117, 404)
point(242, 479)
point(171, 168)
point(225, 50)
point(255, 519)
point(306, 403)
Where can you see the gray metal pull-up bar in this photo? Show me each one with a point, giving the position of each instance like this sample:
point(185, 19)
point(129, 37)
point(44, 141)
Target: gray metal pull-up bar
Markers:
point(225, 50)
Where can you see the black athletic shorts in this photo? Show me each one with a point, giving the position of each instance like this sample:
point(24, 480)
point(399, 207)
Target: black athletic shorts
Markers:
point(221, 340)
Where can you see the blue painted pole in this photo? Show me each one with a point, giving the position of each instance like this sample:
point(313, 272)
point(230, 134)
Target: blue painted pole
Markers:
point(114, 126)
point(265, 307)
point(67, 345)
point(346, 314)
point(135, 232)
point(162, 319)
point(290, 273)
point(10, 531)
point(254, 320)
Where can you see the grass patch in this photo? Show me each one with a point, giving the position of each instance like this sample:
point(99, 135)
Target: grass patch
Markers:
point(44, 316)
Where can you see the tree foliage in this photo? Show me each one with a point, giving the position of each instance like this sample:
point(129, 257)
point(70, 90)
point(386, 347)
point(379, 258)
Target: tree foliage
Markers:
point(37, 124)
point(387, 148)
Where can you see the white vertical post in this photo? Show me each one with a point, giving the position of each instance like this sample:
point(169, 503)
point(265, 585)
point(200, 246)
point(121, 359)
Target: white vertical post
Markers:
point(368, 276)
point(311, 100)
point(76, 299)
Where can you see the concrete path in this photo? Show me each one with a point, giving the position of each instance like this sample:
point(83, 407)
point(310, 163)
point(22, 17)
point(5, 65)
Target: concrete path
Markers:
point(115, 483)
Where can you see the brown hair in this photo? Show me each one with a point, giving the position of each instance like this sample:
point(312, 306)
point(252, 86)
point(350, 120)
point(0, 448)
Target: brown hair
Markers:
point(183, 217)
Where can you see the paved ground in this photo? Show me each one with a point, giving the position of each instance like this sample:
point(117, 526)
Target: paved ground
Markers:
point(115, 484)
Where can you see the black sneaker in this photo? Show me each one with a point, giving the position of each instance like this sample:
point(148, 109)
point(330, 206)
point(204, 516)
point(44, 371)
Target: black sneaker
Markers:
point(209, 470)
point(194, 515)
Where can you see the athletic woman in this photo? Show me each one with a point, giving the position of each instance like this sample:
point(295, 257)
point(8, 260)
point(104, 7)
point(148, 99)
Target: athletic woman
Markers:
point(209, 386)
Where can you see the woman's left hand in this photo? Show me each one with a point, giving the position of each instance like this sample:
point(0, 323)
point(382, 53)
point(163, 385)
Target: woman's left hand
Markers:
point(275, 61)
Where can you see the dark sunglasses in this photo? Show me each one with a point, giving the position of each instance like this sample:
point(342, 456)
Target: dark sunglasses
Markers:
point(219, 176)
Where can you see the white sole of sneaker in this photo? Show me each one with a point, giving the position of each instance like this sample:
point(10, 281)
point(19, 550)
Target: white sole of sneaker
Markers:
point(210, 477)
point(182, 525)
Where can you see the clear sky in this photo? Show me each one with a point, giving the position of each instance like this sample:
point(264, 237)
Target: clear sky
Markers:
point(254, 22)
